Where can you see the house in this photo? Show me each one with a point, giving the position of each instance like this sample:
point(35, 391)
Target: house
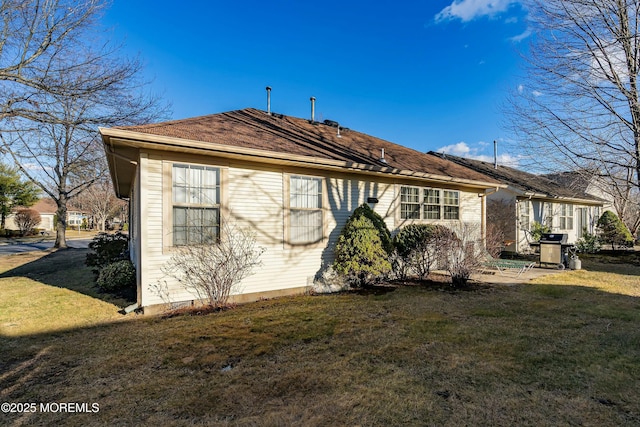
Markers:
point(583, 182)
point(529, 198)
point(294, 181)
point(47, 209)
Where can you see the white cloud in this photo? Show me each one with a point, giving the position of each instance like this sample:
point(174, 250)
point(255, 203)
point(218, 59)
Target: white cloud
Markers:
point(522, 36)
point(462, 149)
point(535, 93)
point(468, 10)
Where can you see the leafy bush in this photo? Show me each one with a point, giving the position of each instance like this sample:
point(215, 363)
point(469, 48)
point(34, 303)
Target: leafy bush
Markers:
point(417, 247)
point(613, 231)
point(589, 243)
point(107, 249)
point(359, 253)
point(378, 223)
point(537, 230)
point(117, 276)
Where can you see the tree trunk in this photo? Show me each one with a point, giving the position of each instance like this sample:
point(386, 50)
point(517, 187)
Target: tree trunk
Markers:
point(61, 224)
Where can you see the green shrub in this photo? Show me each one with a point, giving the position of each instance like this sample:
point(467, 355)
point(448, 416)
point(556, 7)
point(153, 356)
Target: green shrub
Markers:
point(378, 223)
point(537, 230)
point(117, 276)
point(359, 253)
point(613, 231)
point(588, 244)
point(417, 247)
point(106, 249)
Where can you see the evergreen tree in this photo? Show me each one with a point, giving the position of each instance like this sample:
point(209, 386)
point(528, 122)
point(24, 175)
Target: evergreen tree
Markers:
point(359, 253)
point(613, 231)
point(14, 192)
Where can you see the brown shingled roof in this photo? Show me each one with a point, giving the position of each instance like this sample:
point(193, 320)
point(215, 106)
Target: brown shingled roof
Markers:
point(256, 129)
point(520, 180)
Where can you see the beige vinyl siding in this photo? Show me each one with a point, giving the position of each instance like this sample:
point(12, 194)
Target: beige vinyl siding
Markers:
point(255, 197)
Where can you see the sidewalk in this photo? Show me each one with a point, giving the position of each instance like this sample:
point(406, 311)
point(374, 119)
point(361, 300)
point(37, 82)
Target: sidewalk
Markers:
point(70, 235)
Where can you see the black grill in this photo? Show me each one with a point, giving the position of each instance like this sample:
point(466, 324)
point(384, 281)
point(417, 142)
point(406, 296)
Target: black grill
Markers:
point(558, 238)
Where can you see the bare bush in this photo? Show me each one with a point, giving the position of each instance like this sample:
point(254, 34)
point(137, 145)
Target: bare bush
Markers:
point(212, 271)
point(463, 252)
point(27, 220)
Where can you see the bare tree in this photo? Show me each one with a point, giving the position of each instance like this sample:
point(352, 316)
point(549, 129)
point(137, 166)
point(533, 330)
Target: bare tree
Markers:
point(100, 202)
point(502, 221)
point(578, 108)
point(59, 82)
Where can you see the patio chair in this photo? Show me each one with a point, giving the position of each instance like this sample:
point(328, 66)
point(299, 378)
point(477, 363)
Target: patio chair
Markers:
point(517, 267)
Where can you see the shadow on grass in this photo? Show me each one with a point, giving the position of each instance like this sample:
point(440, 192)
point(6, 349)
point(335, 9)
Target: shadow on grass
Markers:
point(628, 264)
point(66, 269)
point(531, 348)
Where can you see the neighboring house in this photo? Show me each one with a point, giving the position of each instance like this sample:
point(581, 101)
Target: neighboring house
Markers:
point(581, 183)
point(47, 209)
point(536, 198)
point(295, 182)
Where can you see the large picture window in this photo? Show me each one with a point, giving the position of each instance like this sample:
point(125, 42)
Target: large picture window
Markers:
point(305, 206)
point(196, 204)
point(429, 203)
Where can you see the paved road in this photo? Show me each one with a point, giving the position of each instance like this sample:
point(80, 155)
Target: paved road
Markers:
point(40, 245)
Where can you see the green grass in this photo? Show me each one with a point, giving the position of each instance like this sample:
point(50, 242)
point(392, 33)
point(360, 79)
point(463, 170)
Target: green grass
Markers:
point(564, 350)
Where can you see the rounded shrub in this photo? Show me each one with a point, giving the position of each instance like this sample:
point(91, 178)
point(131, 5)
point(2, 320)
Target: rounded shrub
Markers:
point(383, 231)
point(359, 253)
point(613, 231)
point(117, 276)
point(106, 249)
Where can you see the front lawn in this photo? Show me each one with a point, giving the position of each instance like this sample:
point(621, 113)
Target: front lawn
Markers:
point(564, 350)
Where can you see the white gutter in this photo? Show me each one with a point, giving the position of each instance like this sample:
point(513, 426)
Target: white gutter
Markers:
point(163, 143)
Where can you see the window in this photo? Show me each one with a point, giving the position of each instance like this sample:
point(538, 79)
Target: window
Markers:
point(431, 204)
point(548, 218)
point(305, 205)
point(451, 204)
point(196, 204)
point(566, 216)
point(525, 215)
point(410, 202)
point(435, 204)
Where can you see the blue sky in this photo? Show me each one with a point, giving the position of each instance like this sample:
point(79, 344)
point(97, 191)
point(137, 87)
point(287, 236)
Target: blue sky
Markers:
point(430, 75)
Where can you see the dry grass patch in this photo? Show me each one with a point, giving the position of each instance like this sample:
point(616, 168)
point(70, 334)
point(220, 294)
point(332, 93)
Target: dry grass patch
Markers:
point(533, 354)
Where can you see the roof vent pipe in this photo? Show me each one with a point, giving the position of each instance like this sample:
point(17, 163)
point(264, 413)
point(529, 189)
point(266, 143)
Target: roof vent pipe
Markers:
point(313, 108)
point(269, 100)
point(495, 154)
point(382, 159)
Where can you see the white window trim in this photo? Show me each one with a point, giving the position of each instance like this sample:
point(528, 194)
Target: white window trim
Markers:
point(422, 196)
point(167, 189)
point(287, 217)
point(566, 219)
